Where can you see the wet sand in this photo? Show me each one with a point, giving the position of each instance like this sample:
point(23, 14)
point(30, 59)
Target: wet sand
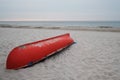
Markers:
point(95, 56)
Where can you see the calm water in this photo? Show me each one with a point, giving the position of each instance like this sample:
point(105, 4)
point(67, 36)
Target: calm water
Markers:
point(63, 23)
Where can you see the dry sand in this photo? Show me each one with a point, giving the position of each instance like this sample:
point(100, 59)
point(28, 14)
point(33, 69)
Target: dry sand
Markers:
point(95, 56)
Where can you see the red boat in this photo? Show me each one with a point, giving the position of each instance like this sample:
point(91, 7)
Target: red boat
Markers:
point(26, 54)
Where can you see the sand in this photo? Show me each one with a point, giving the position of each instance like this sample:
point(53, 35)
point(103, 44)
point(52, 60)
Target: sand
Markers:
point(95, 56)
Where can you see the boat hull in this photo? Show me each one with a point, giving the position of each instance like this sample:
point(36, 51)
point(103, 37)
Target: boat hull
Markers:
point(26, 54)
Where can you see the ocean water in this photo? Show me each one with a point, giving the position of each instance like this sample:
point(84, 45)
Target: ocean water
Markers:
point(63, 23)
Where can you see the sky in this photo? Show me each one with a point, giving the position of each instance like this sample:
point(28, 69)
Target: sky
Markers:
point(59, 10)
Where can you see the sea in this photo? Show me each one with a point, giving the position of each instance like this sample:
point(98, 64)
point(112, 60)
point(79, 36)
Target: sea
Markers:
point(62, 23)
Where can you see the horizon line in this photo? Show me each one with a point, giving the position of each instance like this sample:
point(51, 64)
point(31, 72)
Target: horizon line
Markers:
point(59, 20)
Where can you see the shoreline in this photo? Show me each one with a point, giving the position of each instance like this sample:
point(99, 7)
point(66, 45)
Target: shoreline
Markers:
point(99, 28)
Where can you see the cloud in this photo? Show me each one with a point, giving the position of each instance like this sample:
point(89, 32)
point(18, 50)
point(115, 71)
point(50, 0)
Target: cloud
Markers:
point(59, 10)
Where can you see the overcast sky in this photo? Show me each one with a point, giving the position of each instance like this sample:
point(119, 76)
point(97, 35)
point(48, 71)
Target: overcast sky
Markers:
point(46, 10)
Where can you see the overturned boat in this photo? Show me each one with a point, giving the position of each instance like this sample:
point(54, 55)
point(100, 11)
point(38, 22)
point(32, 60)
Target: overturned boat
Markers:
point(30, 53)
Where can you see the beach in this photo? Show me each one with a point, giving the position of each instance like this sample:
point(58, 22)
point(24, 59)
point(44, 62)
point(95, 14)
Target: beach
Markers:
point(94, 56)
